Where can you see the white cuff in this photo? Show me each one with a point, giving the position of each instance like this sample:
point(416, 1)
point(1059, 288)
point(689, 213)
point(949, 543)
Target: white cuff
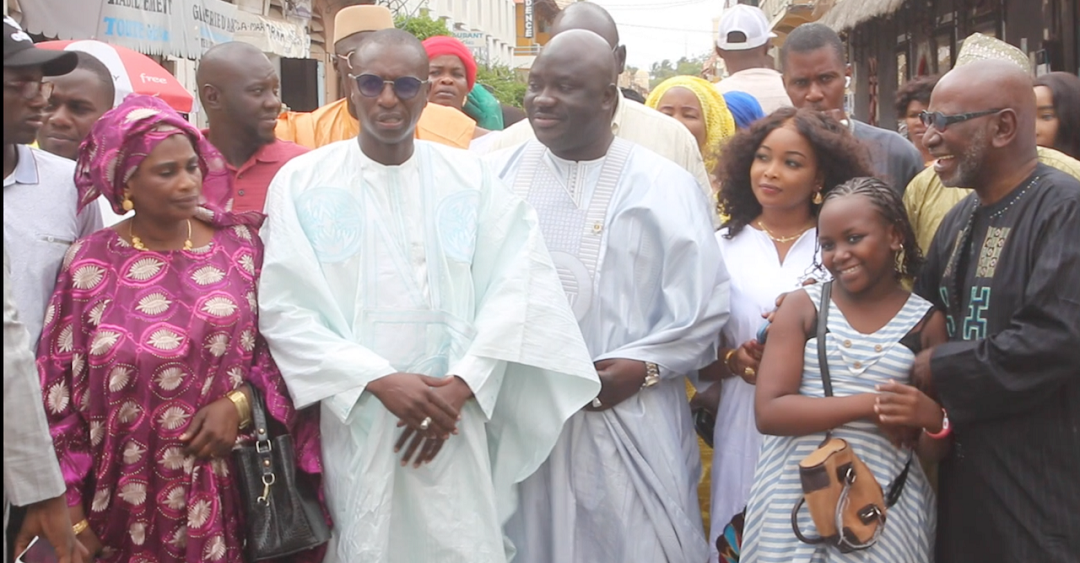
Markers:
point(484, 377)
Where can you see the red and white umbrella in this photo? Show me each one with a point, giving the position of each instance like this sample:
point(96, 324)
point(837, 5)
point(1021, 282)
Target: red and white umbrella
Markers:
point(132, 72)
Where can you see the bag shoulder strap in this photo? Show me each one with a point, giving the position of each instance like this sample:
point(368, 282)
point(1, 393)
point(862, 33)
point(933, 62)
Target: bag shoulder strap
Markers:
point(913, 339)
point(263, 446)
point(896, 488)
point(258, 415)
point(897, 485)
point(822, 328)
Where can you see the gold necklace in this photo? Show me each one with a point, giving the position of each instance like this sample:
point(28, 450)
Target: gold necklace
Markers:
point(138, 243)
point(780, 240)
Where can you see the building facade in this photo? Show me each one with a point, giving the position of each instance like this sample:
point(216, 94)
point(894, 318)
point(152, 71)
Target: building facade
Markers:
point(176, 34)
point(485, 26)
point(786, 15)
point(532, 24)
point(892, 41)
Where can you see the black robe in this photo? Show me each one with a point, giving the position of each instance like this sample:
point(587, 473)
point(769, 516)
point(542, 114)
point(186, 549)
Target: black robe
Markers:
point(1008, 276)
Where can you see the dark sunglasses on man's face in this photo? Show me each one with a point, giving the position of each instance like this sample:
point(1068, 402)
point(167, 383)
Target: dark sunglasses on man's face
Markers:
point(405, 87)
point(941, 122)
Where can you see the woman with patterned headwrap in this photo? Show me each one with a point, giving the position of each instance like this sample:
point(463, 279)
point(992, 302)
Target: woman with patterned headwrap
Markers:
point(151, 347)
point(696, 104)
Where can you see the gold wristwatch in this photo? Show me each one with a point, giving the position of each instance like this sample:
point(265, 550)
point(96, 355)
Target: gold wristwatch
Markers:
point(652, 375)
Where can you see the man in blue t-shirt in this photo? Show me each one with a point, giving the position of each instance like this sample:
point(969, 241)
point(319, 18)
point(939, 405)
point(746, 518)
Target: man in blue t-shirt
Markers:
point(815, 73)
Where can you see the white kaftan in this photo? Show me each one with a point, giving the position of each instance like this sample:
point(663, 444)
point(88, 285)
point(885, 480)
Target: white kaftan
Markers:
point(756, 282)
point(633, 242)
point(429, 267)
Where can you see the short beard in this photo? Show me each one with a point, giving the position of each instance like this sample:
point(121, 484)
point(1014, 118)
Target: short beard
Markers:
point(970, 163)
point(256, 136)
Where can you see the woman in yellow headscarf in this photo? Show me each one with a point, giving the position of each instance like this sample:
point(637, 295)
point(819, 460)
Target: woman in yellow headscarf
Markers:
point(697, 105)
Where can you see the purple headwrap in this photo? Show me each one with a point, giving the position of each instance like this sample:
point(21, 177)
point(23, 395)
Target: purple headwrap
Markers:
point(123, 137)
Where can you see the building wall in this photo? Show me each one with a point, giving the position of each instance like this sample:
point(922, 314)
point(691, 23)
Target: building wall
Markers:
point(888, 51)
point(528, 47)
point(493, 17)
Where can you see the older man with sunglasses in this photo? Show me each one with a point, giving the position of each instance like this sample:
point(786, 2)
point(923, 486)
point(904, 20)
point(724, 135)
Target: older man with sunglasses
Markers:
point(337, 121)
point(410, 293)
point(1004, 268)
point(926, 199)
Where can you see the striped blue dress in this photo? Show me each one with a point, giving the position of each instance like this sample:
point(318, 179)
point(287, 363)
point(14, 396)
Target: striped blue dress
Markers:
point(857, 362)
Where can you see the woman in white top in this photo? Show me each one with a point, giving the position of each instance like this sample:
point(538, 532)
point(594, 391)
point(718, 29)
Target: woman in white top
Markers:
point(774, 176)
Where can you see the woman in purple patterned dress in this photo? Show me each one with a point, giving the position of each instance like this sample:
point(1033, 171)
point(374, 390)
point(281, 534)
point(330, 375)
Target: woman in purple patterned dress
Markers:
point(152, 326)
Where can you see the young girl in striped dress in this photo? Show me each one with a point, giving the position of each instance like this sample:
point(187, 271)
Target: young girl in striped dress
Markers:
point(875, 329)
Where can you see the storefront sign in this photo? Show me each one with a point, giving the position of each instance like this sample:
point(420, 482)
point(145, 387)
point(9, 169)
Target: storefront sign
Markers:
point(281, 38)
point(180, 28)
point(529, 18)
point(472, 39)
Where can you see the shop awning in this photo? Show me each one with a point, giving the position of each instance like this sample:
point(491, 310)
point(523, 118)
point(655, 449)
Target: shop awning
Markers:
point(850, 13)
point(180, 28)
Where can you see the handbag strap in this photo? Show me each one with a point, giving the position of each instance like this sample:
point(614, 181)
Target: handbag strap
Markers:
point(263, 446)
point(822, 328)
point(897, 485)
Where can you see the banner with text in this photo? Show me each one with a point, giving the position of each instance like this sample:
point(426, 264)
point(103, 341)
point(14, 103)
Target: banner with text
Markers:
point(180, 28)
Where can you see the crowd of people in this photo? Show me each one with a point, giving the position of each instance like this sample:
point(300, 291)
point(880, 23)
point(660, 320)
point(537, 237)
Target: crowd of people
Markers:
point(609, 332)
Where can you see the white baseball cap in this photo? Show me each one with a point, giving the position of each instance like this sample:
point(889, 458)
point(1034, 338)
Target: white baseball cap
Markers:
point(749, 21)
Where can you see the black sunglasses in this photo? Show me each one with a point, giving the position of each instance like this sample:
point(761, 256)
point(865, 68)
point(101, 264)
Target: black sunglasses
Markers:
point(941, 122)
point(405, 87)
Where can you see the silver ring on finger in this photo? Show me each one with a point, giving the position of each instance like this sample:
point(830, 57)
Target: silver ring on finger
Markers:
point(426, 423)
point(596, 403)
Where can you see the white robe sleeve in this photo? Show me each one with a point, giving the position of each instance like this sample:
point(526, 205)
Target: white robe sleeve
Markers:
point(528, 364)
point(673, 315)
point(309, 336)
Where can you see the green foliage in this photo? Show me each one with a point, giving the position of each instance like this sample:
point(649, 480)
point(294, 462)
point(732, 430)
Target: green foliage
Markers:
point(665, 69)
point(508, 89)
point(422, 26)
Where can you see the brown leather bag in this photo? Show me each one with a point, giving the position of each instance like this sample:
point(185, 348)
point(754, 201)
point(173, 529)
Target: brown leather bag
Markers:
point(845, 500)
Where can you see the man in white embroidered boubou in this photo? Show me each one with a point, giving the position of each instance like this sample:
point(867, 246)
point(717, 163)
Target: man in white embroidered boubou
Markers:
point(410, 294)
point(632, 239)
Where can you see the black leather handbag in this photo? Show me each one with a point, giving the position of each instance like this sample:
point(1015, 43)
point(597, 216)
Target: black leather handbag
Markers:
point(282, 515)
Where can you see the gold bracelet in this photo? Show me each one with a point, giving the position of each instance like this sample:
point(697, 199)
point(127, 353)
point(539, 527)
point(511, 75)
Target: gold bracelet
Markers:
point(242, 407)
point(727, 360)
point(81, 526)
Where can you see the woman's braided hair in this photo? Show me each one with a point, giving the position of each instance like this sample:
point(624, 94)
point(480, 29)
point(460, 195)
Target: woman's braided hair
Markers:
point(891, 207)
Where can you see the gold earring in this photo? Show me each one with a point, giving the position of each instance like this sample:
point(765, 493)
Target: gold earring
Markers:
point(127, 204)
point(817, 198)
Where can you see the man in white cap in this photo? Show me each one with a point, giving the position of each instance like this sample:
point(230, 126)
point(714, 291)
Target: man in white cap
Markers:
point(337, 121)
point(743, 42)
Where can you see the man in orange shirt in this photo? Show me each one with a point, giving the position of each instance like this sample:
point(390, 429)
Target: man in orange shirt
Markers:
point(337, 121)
